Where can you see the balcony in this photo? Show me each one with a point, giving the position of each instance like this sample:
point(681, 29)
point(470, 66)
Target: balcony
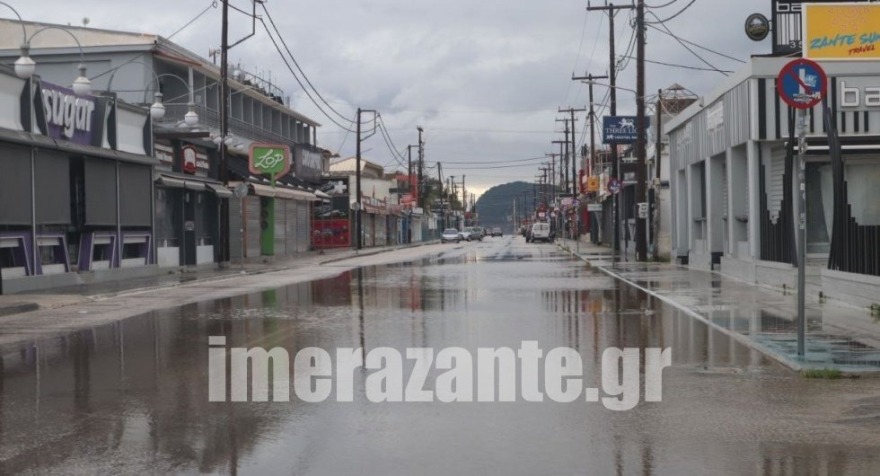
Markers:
point(211, 118)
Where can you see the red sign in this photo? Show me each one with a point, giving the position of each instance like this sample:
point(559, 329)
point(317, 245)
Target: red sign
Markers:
point(802, 83)
point(331, 233)
point(189, 159)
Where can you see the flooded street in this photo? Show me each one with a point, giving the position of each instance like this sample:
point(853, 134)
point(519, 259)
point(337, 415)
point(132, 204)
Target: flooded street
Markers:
point(132, 396)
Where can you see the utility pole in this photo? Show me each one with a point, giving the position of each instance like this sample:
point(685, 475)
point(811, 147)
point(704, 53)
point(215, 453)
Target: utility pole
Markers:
point(612, 79)
point(589, 80)
point(563, 163)
point(357, 174)
point(464, 199)
point(658, 151)
point(641, 139)
point(571, 111)
point(421, 201)
point(440, 179)
point(224, 130)
point(409, 169)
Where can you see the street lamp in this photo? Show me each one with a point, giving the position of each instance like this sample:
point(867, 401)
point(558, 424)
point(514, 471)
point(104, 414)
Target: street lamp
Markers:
point(25, 65)
point(157, 109)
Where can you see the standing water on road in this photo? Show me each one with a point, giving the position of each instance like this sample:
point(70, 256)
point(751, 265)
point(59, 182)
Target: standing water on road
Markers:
point(133, 396)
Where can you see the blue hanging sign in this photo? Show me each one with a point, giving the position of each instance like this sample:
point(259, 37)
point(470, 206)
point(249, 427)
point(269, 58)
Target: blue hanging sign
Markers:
point(620, 129)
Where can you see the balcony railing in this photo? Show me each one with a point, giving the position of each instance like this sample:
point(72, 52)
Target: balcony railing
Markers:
point(211, 118)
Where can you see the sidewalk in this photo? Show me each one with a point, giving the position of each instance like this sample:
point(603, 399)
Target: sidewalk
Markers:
point(838, 336)
point(172, 277)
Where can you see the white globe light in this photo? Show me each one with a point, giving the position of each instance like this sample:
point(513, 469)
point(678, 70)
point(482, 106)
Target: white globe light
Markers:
point(81, 85)
point(24, 67)
point(191, 118)
point(157, 109)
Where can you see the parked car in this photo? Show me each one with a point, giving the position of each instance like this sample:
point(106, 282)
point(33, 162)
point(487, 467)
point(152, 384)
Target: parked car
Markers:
point(450, 234)
point(497, 231)
point(481, 231)
point(539, 232)
point(468, 233)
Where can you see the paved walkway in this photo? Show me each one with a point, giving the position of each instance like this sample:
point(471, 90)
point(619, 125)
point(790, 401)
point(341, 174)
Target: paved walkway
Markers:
point(70, 295)
point(838, 336)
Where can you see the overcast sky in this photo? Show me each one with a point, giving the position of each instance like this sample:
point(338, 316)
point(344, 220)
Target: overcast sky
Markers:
point(483, 78)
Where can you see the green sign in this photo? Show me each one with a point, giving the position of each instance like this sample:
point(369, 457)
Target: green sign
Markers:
point(269, 159)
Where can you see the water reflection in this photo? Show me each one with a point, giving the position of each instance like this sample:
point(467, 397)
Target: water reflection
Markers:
point(132, 396)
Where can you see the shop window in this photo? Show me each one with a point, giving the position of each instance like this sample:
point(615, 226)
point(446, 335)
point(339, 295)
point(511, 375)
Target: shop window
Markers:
point(52, 254)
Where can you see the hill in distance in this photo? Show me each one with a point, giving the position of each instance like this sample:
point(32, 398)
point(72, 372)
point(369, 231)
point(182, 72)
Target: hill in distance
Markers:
point(495, 206)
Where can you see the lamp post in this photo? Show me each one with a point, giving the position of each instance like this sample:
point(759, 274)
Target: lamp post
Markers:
point(25, 65)
point(157, 109)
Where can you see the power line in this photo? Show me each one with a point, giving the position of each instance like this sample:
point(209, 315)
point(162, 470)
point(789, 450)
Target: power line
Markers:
point(212, 5)
point(679, 40)
point(289, 68)
point(272, 21)
point(661, 6)
point(675, 14)
point(684, 66)
point(665, 32)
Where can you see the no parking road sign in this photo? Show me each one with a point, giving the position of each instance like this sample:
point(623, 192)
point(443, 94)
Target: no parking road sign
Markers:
point(802, 83)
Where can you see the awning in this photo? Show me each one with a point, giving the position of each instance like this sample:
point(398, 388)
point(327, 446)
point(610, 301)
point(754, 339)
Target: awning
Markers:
point(263, 190)
point(193, 183)
point(282, 192)
point(220, 190)
point(170, 182)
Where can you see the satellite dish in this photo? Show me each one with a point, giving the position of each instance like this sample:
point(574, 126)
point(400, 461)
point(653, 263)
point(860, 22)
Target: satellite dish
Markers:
point(240, 191)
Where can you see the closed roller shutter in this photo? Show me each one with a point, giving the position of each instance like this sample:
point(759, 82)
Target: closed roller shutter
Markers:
point(280, 226)
point(235, 230)
point(302, 226)
point(776, 169)
point(100, 190)
point(52, 181)
point(15, 185)
point(134, 195)
point(290, 228)
point(252, 228)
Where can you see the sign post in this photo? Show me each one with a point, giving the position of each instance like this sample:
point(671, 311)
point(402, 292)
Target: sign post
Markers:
point(801, 84)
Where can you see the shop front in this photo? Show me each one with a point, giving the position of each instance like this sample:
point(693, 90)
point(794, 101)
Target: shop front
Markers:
point(269, 221)
point(187, 205)
point(734, 164)
point(75, 187)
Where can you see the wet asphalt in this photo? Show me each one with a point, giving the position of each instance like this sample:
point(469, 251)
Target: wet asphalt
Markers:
point(132, 396)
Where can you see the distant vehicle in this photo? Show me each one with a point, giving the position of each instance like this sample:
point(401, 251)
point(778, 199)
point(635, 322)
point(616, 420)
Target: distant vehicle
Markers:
point(481, 231)
point(468, 233)
point(497, 231)
point(450, 234)
point(539, 232)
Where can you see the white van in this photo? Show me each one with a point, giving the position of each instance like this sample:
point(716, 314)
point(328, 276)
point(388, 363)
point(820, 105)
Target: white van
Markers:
point(540, 232)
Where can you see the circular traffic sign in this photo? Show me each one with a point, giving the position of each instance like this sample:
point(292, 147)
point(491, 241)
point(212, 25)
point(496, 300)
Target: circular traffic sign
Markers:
point(613, 185)
point(802, 83)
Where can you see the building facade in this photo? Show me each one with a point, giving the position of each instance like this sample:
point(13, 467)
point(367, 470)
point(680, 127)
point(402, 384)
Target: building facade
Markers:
point(75, 186)
point(733, 164)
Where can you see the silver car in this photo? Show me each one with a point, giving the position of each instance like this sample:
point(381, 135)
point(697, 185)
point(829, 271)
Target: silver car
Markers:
point(450, 234)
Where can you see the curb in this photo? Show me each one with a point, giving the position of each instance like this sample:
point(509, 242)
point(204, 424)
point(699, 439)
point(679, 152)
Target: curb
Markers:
point(18, 308)
point(740, 338)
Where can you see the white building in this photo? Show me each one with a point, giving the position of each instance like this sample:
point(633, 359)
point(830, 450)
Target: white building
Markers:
point(733, 170)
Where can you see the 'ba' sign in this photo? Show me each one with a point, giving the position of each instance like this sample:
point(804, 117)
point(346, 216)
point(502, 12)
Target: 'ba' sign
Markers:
point(68, 116)
point(620, 129)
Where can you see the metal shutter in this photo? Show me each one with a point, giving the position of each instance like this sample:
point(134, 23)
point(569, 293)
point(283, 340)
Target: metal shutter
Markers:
point(235, 230)
point(303, 223)
point(252, 226)
point(280, 225)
